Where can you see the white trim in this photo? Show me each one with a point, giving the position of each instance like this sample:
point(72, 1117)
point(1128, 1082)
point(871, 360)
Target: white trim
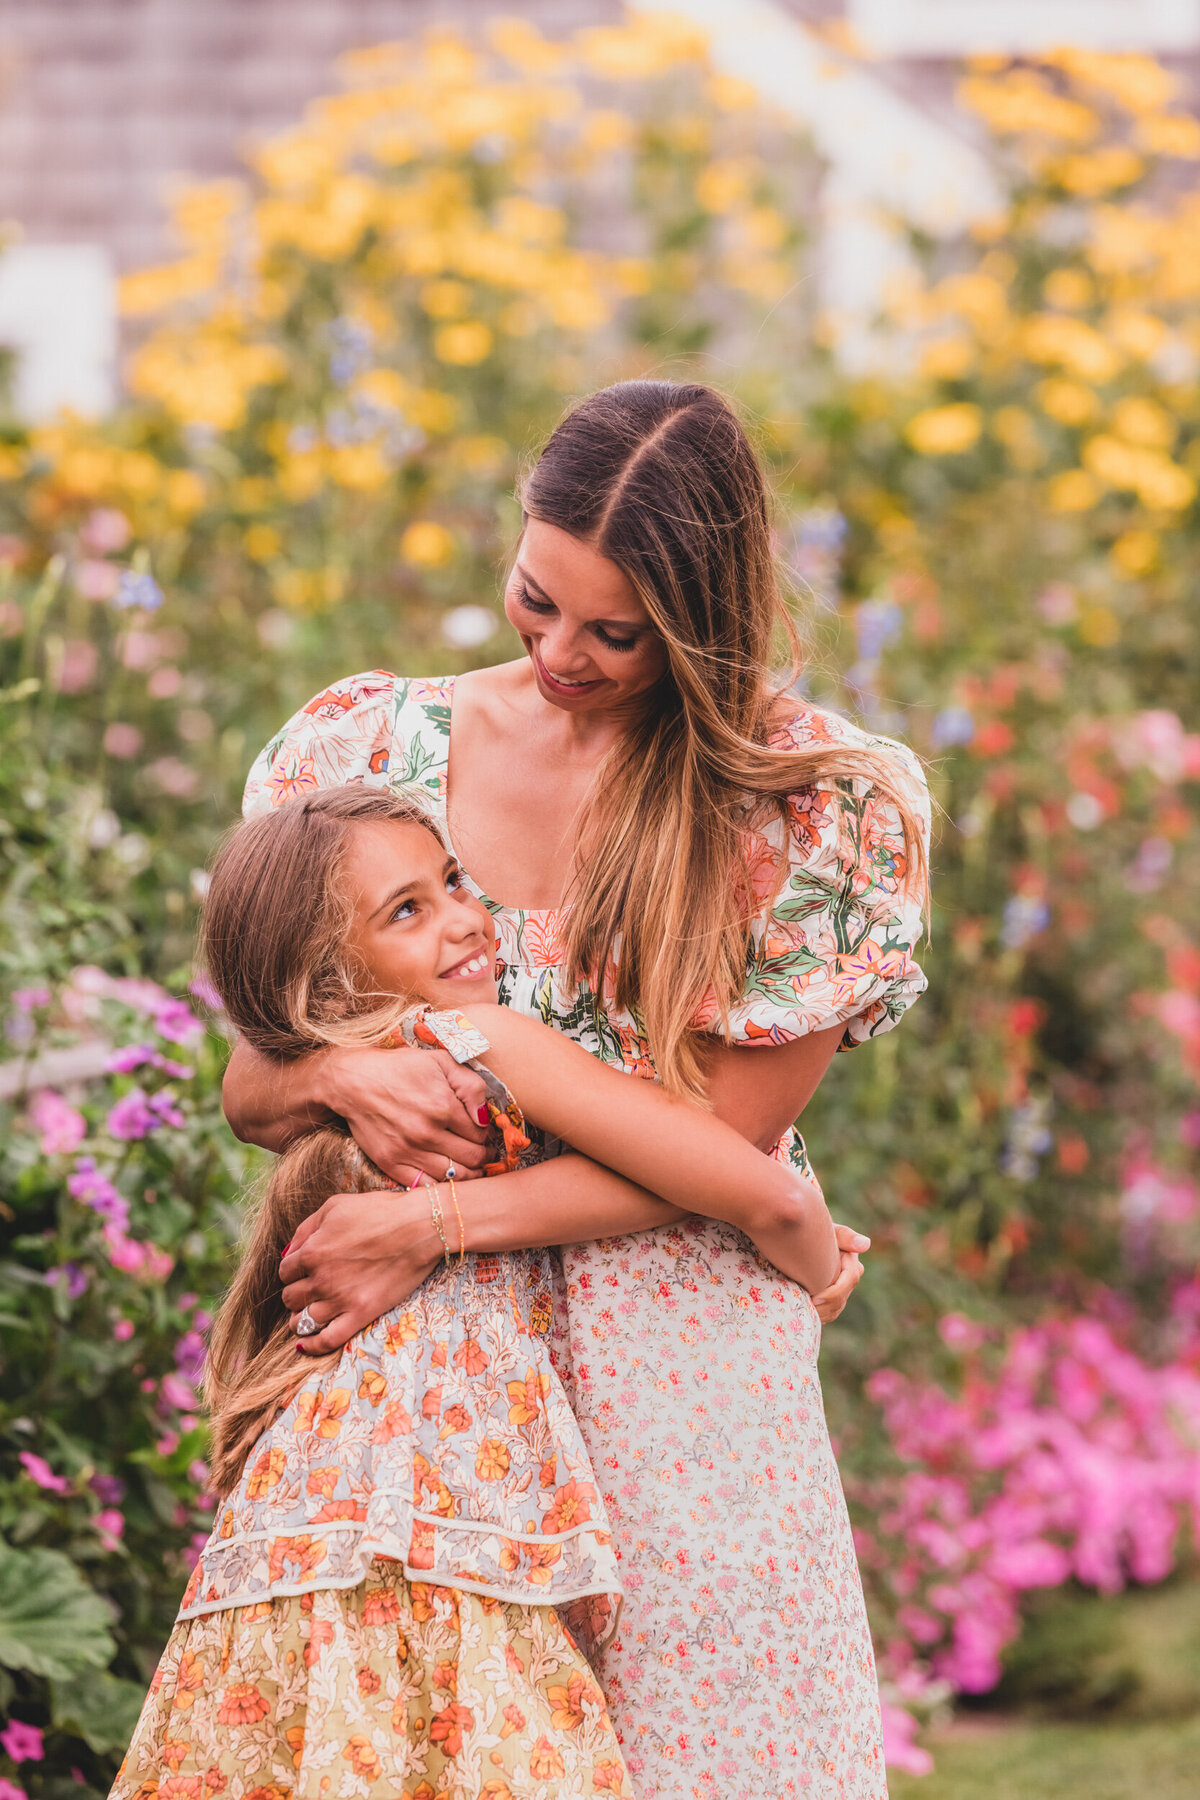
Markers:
point(1016, 27)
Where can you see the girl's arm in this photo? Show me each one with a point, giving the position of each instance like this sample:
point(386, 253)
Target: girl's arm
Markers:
point(360, 1255)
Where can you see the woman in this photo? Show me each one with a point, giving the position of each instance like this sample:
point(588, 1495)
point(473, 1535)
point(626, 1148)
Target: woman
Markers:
point(681, 862)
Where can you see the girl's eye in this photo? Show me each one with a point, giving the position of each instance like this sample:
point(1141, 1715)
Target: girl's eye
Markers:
point(405, 910)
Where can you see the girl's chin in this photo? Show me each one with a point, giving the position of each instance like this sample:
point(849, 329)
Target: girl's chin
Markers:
point(481, 989)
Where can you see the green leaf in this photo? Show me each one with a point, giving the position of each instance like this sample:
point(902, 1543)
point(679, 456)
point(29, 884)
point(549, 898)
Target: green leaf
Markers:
point(98, 1707)
point(51, 1622)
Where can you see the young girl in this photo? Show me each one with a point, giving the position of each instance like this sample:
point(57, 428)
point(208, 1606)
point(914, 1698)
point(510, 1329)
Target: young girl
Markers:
point(410, 1549)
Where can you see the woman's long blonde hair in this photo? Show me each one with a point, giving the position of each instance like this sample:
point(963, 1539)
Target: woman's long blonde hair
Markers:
point(661, 478)
point(274, 939)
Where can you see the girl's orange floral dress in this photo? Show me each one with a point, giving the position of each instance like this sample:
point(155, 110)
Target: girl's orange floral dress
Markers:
point(742, 1665)
point(393, 1599)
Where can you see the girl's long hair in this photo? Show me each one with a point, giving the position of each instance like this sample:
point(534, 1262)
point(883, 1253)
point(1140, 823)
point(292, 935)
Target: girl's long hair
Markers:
point(661, 478)
point(253, 1366)
point(276, 918)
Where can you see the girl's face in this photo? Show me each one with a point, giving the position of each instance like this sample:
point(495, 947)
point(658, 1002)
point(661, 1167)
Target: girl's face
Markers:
point(586, 632)
point(416, 928)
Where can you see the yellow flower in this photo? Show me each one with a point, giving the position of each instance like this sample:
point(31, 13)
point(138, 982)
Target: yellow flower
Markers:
point(1138, 333)
point(445, 299)
point(1100, 627)
point(464, 344)
point(1068, 289)
point(945, 430)
point(1013, 427)
point(1073, 490)
point(427, 545)
point(1158, 482)
point(1170, 134)
point(492, 1460)
point(1142, 421)
point(1093, 172)
point(184, 491)
point(1052, 338)
point(525, 46)
point(1066, 401)
point(262, 542)
point(1022, 102)
point(947, 359)
point(1136, 552)
point(1137, 82)
point(363, 467)
point(725, 184)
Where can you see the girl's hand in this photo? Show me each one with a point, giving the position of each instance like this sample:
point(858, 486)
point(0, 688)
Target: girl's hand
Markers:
point(413, 1111)
point(354, 1259)
point(831, 1302)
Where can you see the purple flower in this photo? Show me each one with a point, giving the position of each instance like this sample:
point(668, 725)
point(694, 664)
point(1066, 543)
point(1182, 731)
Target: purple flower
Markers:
point(27, 1000)
point(177, 1022)
point(202, 989)
point(189, 1355)
point(70, 1276)
point(163, 1106)
point(109, 1488)
point(137, 590)
point(138, 1113)
point(23, 1742)
point(178, 1392)
point(95, 1190)
point(953, 725)
point(132, 1056)
point(59, 1126)
point(39, 1470)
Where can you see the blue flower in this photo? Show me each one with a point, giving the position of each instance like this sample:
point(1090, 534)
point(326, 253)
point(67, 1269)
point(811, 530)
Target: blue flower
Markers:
point(137, 590)
point(1025, 916)
point(876, 623)
point(953, 725)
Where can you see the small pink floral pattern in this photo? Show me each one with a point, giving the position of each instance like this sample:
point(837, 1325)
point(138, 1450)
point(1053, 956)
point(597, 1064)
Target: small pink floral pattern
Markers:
point(742, 1663)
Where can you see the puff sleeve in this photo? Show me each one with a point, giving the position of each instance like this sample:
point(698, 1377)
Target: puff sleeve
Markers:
point(835, 943)
point(344, 734)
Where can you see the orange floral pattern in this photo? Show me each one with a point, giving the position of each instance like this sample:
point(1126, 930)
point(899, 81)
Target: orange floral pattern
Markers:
point(390, 1692)
point(429, 1441)
point(742, 1663)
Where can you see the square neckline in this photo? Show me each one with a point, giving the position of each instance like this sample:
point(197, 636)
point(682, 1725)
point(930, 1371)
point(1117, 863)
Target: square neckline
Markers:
point(493, 905)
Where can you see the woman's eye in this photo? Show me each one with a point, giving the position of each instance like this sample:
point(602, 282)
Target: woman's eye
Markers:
point(613, 643)
point(527, 599)
point(454, 880)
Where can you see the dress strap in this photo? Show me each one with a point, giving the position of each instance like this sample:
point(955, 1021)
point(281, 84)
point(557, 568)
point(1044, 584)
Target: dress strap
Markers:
point(443, 1031)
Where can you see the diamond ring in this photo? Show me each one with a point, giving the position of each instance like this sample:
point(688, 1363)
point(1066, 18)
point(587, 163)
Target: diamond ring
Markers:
point(451, 1172)
point(306, 1325)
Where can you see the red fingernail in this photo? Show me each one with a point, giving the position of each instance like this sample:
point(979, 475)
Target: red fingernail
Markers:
point(482, 1115)
point(286, 1248)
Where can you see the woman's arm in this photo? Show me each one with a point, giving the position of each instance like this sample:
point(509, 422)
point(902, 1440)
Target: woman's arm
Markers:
point(361, 1254)
point(412, 1111)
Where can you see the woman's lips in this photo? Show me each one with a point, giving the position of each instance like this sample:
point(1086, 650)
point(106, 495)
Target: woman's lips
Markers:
point(568, 689)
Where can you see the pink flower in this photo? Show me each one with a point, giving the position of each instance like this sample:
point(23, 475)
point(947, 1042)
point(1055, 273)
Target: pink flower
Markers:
point(96, 580)
point(178, 1392)
point(111, 1525)
point(23, 1742)
point(10, 1791)
point(899, 1751)
point(60, 1127)
point(123, 1330)
point(39, 1470)
point(105, 529)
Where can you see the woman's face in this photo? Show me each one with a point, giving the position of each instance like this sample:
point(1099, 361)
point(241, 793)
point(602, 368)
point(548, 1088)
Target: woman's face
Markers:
point(585, 630)
point(416, 928)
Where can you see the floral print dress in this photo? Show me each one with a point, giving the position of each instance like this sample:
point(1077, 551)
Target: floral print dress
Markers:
point(742, 1665)
point(396, 1598)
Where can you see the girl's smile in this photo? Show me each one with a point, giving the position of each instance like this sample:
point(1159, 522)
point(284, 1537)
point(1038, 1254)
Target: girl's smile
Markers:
point(416, 928)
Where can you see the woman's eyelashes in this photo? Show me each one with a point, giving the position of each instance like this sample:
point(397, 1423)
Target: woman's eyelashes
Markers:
point(527, 600)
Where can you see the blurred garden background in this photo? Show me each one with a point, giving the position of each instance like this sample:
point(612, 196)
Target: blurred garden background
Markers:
point(983, 419)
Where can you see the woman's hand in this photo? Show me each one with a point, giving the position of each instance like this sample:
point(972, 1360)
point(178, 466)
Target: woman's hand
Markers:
point(414, 1112)
point(831, 1302)
point(355, 1258)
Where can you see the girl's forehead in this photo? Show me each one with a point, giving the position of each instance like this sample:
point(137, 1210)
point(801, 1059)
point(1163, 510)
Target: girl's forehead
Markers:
point(392, 844)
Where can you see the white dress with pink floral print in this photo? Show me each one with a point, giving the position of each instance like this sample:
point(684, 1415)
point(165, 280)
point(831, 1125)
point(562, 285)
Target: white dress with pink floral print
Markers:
point(742, 1666)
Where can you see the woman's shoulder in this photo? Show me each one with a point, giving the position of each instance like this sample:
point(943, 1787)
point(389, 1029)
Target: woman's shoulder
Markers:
point(351, 730)
point(803, 727)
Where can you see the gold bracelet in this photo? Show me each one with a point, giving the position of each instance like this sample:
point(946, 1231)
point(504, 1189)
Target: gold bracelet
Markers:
point(435, 1208)
point(462, 1236)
